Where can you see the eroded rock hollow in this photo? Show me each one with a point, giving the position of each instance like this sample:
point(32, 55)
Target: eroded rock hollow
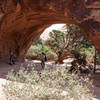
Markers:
point(22, 21)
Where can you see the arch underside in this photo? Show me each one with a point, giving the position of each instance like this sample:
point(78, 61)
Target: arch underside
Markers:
point(23, 21)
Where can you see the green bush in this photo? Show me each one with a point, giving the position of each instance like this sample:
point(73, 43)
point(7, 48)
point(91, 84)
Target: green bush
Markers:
point(53, 84)
point(80, 57)
point(36, 50)
point(51, 55)
point(89, 52)
point(38, 41)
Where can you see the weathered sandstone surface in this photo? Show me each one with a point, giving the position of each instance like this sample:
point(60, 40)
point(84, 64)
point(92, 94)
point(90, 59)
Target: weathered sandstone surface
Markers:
point(22, 21)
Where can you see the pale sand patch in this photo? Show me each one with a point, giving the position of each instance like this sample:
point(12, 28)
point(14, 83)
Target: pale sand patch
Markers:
point(2, 95)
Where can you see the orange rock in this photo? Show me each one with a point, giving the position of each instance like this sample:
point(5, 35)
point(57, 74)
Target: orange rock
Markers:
point(22, 21)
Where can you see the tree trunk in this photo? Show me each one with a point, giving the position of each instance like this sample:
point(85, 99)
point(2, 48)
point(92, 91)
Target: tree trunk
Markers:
point(95, 56)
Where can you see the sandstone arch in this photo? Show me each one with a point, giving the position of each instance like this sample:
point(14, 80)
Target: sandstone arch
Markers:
point(22, 21)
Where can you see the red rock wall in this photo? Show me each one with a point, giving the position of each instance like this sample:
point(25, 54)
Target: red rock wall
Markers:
point(22, 21)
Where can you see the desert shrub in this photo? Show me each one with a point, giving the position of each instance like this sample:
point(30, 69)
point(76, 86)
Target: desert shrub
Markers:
point(37, 42)
point(51, 55)
point(89, 50)
point(80, 57)
point(36, 50)
point(56, 40)
point(55, 84)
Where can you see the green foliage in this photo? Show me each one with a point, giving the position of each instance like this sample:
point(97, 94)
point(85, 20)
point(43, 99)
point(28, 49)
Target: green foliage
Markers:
point(86, 45)
point(53, 84)
point(80, 57)
point(49, 53)
point(57, 40)
point(76, 37)
point(38, 41)
point(51, 42)
point(79, 41)
point(89, 50)
point(36, 50)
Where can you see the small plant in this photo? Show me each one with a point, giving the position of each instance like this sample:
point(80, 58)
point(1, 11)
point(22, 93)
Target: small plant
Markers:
point(55, 84)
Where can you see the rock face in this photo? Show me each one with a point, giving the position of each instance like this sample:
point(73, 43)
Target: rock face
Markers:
point(22, 21)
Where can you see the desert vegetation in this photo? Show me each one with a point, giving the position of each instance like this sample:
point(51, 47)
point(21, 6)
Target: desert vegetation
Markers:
point(54, 84)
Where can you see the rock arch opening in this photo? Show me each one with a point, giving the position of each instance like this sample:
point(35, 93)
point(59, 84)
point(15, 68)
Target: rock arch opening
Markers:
point(67, 38)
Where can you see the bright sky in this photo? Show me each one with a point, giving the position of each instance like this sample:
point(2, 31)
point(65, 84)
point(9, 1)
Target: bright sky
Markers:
point(54, 26)
point(45, 34)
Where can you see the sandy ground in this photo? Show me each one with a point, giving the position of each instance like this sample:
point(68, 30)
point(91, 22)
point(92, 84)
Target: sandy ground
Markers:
point(5, 68)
